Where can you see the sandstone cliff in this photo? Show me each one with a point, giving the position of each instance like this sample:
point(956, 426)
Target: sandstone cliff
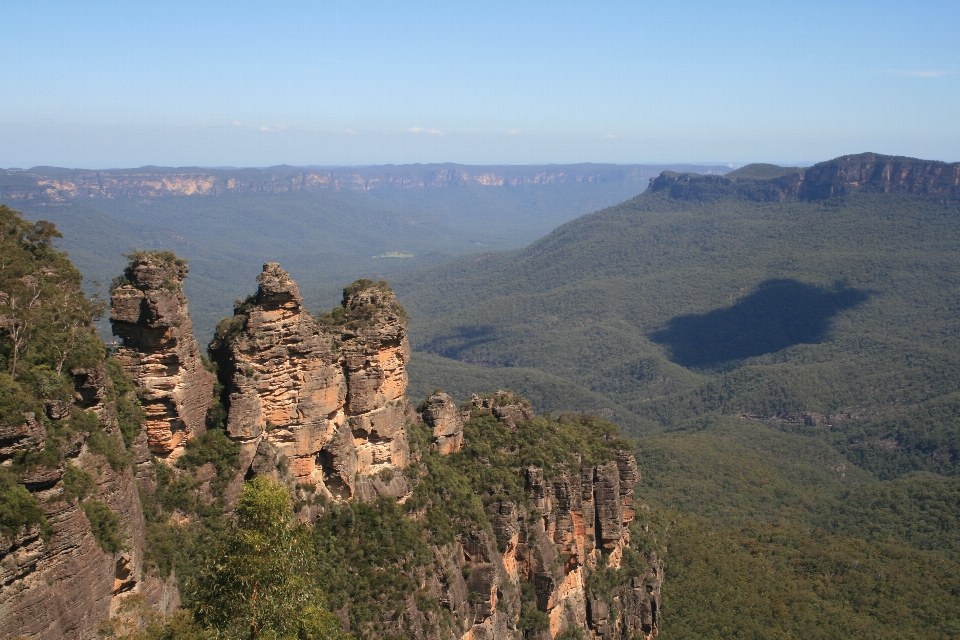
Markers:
point(61, 184)
point(149, 313)
point(846, 175)
point(507, 522)
point(327, 395)
point(319, 401)
point(440, 413)
point(60, 581)
point(575, 523)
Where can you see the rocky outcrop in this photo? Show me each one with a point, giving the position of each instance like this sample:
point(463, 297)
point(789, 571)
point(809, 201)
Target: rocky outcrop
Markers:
point(577, 523)
point(843, 176)
point(875, 173)
point(60, 583)
point(149, 313)
point(440, 413)
point(327, 394)
point(508, 407)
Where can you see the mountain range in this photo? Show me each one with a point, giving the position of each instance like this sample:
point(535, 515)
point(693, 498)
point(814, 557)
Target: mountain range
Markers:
point(330, 225)
point(780, 347)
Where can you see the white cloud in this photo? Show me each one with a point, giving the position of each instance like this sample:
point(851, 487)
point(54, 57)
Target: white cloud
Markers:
point(924, 74)
point(434, 132)
point(236, 123)
point(513, 132)
point(610, 136)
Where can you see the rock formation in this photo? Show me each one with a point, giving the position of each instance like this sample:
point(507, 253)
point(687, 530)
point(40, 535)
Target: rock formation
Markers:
point(59, 583)
point(326, 394)
point(843, 176)
point(318, 402)
point(578, 518)
point(440, 413)
point(149, 313)
point(570, 526)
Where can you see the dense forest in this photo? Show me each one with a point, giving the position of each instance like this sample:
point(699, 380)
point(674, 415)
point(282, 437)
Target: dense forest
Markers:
point(786, 368)
point(789, 367)
point(374, 223)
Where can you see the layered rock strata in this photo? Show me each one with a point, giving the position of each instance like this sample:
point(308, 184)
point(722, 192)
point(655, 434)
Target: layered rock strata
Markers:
point(118, 183)
point(843, 176)
point(328, 395)
point(60, 583)
point(440, 413)
point(576, 522)
point(149, 313)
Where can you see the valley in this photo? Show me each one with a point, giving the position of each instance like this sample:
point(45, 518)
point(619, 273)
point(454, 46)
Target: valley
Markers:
point(777, 347)
point(330, 226)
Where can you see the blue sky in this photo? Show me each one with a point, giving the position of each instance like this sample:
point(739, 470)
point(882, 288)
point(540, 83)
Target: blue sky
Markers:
point(242, 83)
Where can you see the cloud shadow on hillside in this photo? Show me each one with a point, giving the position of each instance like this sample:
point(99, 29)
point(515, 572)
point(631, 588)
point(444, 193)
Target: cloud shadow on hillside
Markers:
point(455, 344)
point(779, 314)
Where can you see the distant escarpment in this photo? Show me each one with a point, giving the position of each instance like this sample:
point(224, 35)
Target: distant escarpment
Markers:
point(55, 184)
point(846, 175)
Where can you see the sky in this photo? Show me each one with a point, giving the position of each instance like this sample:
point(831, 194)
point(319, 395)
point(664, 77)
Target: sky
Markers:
point(100, 84)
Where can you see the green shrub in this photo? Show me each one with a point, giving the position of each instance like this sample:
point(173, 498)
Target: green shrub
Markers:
point(105, 525)
point(572, 633)
point(216, 448)
point(124, 394)
point(18, 507)
point(258, 580)
point(111, 448)
point(77, 483)
point(532, 620)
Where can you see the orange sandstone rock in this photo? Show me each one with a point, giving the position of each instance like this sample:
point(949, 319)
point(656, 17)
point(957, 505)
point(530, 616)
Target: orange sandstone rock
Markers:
point(149, 313)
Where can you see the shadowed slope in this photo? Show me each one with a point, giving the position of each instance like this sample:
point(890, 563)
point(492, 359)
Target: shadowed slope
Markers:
point(778, 314)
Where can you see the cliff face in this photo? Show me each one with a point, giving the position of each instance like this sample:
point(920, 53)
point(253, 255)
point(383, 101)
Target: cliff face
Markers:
point(149, 313)
point(440, 413)
point(847, 175)
point(875, 173)
point(62, 184)
point(319, 401)
point(541, 554)
point(328, 396)
point(503, 550)
point(61, 583)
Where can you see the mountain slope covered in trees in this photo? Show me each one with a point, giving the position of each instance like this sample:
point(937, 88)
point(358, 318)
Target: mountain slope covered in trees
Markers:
point(330, 225)
point(784, 345)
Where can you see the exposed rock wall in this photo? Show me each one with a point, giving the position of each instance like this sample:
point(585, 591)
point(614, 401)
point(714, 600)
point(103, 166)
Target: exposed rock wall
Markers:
point(63, 585)
point(318, 401)
point(149, 313)
point(577, 522)
point(328, 396)
point(440, 413)
point(871, 172)
point(846, 175)
point(68, 184)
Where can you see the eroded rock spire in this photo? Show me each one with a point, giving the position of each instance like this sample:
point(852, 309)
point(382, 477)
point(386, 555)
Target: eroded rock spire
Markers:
point(148, 311)
point(326, 394)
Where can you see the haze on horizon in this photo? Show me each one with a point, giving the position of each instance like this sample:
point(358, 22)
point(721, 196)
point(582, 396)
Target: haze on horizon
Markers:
point(100, 84)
